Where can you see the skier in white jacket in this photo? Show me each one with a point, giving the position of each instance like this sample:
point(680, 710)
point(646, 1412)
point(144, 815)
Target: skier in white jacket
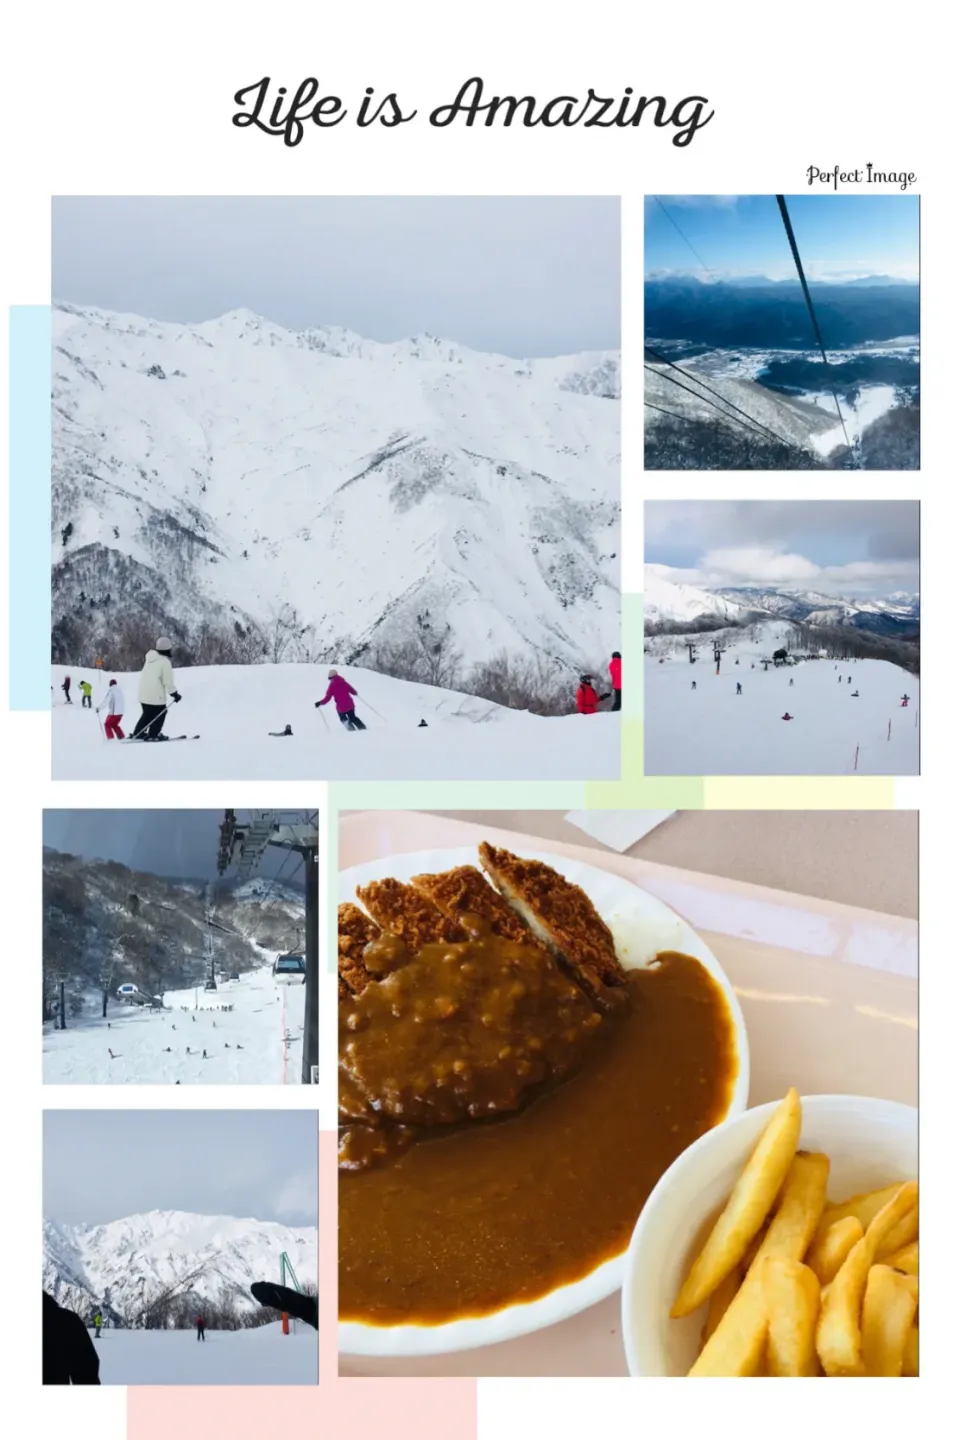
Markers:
point(112, 702)
point(158, 687)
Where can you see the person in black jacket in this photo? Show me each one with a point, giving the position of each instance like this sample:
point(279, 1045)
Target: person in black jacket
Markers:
point(69, 1356)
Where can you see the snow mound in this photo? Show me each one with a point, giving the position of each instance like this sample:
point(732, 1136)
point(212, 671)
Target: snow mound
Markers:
point(234, 707)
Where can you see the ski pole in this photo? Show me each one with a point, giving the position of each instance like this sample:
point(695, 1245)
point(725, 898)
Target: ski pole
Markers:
point(324, 719)
point(370, 707)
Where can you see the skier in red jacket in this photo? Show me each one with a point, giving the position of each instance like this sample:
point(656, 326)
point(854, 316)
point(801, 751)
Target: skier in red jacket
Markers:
point(341, 692)
point(614, 668)
point(201, 1325)
point(588, 700)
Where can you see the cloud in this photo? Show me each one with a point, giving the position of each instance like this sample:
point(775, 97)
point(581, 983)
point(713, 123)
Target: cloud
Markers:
point(765, 567)
point(780, 570)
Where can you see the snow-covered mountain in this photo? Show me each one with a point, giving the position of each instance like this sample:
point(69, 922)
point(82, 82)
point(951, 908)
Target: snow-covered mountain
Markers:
point(129, 1266)
point(665, 602)
point(210, 474)
point(896, 614)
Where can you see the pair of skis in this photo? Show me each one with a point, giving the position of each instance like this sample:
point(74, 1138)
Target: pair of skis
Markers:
point(167, 739)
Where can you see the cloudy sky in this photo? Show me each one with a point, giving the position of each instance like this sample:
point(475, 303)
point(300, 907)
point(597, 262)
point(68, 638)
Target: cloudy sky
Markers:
point(840, 237)
point(178, 843)
point(523, 276)
point(100, 1165)
point(855, 548)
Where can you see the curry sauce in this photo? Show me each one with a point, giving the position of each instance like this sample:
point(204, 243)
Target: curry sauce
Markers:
point(481, 1215)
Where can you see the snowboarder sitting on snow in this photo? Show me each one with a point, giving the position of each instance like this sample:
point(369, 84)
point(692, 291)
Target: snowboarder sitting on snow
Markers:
point(201, 1328)
point(855, 695)
point(113, 700)
point(86, 690)
point(588, 701)
point(341, 692)
point(786, 716)
point(68, 1354)
point(614, 668)
point(65, 687)
point(157, 688)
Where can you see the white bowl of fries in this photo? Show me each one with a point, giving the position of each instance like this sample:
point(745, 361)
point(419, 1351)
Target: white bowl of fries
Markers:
point(784, 1242)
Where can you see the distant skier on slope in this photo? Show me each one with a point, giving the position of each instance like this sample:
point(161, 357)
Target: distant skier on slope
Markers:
point(791, 679)
point(588, 701)
point(65, 687)
point(341, 692)
point(855, 695)
point(693, 684)
point(615, 672)
point(739, 688)
point(68, 1354)
point(86, 692)
point(201, 1328)
point(97, 1325)
point(158, 687)
point(786, 715)
point(904, 699)
point(113, 700)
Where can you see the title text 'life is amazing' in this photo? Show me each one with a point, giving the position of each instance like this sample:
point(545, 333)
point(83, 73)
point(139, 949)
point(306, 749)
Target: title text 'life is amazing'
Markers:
point(280, 112)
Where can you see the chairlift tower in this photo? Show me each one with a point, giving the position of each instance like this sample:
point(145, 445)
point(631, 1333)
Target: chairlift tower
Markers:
point(244, 845)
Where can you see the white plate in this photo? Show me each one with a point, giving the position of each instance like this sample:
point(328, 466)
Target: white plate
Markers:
point(642, 928)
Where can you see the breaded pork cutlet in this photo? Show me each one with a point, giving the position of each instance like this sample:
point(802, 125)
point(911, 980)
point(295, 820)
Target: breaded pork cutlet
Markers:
point(464, 891)
point(354, 933)
point(560, 914)
point(407, 914)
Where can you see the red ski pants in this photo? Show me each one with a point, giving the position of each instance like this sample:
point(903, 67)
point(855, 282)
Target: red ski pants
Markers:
point(111, 727)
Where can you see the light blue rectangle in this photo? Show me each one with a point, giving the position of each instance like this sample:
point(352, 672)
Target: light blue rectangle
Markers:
point(29, 507)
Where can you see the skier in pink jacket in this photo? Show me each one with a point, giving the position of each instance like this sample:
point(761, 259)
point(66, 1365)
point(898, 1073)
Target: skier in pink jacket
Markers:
point(341, 692)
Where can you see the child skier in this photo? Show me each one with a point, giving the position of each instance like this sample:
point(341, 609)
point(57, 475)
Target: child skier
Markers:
point(65, 687)
point(341, 692)
point(86, 690)
point(113, 700)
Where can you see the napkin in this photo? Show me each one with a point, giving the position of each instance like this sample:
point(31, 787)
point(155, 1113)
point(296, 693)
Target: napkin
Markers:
point(618, 829)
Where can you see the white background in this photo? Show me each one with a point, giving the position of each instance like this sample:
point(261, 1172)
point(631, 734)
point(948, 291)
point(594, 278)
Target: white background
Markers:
point(136, 99)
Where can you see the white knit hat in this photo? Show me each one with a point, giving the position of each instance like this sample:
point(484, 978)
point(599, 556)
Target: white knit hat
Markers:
point(164, 643)
point(331, 674)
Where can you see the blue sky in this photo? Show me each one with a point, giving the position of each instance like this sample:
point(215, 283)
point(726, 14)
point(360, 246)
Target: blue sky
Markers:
point(858, 548)
point(520, 275)
point(840, 237)
point(100, 1165)
point(177, 843)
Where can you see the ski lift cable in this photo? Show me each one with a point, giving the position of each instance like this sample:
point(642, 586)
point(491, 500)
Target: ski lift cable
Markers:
point(688, 243)
point(746, 418)
point(674, 414)
point(792, 239)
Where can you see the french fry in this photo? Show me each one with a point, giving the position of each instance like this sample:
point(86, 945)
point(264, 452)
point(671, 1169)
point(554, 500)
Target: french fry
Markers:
point(861, 1207)
point(791, 1292)
point(911, 1352)
point(750, 1202)
point(902, 1234)
point(827, 1254)
point(719, 1301)
point(888, 1310)
point(907, 1259)
point(839, 1341)
point(736, 1347)
point(752, 1249)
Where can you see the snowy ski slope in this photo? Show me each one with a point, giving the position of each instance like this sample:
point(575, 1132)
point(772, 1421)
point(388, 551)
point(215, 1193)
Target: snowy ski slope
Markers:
point(259, 1042)
point(714, 731)
point(226, 1357)
point(234, 707)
